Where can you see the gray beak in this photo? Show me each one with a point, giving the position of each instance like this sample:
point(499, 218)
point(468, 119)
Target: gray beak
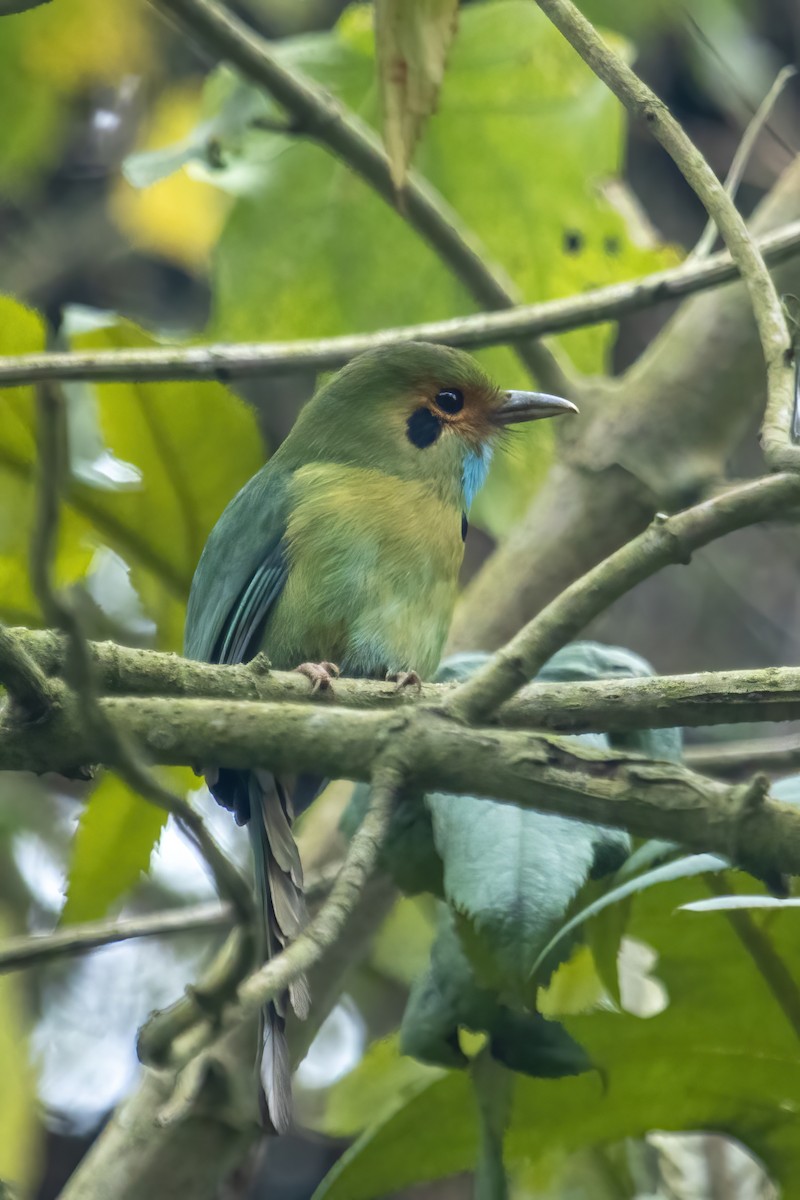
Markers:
point(531, 406)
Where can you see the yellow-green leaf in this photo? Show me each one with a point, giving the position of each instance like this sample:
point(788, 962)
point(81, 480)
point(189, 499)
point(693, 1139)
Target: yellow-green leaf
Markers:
point(116, 835)
point(412, 40)
point(19, 1128)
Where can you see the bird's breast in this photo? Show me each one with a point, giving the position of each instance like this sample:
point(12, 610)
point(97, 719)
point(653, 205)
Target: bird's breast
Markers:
point(373, 572)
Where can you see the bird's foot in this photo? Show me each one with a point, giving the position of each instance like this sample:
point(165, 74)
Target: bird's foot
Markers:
point(320, 674)
point(404, 679)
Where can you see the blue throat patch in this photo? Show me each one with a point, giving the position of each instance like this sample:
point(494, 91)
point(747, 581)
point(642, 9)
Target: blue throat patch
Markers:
point(476, 468)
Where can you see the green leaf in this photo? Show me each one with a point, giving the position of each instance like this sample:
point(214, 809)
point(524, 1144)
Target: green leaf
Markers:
point(19, 1127)
point(412, 39)
point(116, 835)
point(682, 868)
point(371, 1091)
point(186, 447)
point(515, 94)
point(720, 1056)
point(22, 332)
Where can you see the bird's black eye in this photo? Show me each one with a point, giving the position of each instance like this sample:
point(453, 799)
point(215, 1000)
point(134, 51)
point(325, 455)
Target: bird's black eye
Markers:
point(451, 400)
point(423, 428)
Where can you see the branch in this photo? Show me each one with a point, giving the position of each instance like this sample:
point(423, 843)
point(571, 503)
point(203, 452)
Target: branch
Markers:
point(776, 341)
point(324, 119)
point(650, 799)
point(726, 760)
point(667, 540)
point(22, 678)
point(78, 939)
point(224, 361)
point(742, 156)
point(603, 706)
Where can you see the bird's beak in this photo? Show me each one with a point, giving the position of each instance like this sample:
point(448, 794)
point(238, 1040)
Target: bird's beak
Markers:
point(531, 406)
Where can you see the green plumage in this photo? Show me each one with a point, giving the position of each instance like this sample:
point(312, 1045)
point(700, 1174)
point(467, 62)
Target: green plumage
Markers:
point(345, 547)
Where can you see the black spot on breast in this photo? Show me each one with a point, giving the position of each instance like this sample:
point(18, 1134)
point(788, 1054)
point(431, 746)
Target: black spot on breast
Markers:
point(464, 526)
point(423, 428)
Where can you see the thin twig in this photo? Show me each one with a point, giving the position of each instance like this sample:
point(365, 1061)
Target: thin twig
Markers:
point(667, 540)
point(776, 342)
point(41, 948)
point(232, 360)
point(742, 156)
point(327, 122)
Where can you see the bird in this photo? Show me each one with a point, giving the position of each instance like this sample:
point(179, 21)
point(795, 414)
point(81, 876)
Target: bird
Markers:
point(342, 554)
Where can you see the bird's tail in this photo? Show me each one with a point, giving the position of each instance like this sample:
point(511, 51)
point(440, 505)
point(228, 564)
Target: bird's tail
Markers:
point(279, 894)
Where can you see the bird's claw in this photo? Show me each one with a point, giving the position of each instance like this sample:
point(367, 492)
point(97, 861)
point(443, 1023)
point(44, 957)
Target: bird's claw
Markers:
point(404, 679)
point(320, 674)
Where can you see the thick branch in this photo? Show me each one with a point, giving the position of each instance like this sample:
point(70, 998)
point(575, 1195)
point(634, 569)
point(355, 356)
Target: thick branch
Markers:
point(667, 540)
point(618, 705)
point(224, 361)
point(650, 799)
point(325, 120)
point(776, 341)
point(22, 678)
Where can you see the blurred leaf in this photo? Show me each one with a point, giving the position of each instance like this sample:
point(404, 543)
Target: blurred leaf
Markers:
point(48, 57)
point(306, 236)
point(402, 947)
point(193, 445)
point(22, 332)
point(176, 216)
point(367, 1095)
point(719, 1056)
point(574, 987)
point(19, 1125)
point(116, 835)
point(412, 39)
point(682, 868)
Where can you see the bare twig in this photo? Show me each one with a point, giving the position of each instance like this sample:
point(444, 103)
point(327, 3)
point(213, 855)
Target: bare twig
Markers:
point(78, 939)
point(225, 361)
point(667, 540)
point(742, 156)
point(776, 342)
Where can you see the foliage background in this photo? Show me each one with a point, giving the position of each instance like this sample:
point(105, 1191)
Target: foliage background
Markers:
point(138, 197)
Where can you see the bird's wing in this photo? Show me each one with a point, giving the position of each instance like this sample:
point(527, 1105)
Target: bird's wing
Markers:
point(241, 574)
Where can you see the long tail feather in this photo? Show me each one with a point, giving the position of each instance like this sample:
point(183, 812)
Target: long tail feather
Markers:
point(279, 880)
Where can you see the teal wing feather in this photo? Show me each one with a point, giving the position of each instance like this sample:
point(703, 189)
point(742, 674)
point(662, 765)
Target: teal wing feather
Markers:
point(241, 573)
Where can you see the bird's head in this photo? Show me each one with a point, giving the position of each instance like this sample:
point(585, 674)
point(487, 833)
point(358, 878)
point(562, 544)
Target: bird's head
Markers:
point(420, 411)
